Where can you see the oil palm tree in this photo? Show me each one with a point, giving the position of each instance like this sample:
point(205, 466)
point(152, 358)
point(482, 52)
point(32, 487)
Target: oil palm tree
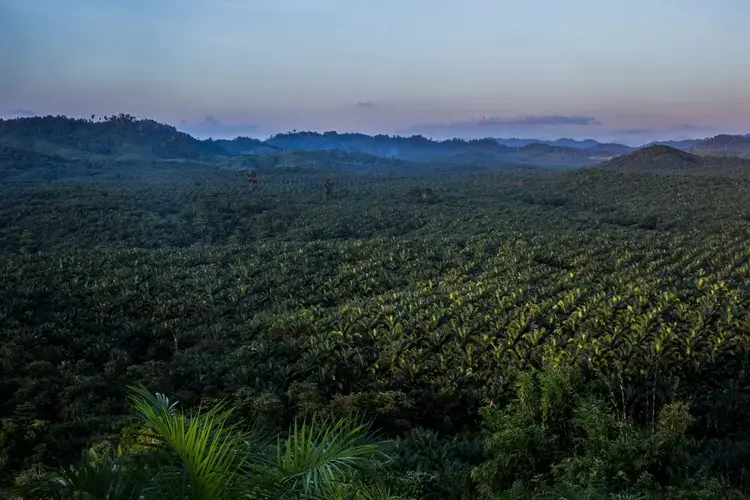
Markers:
point(206, 457)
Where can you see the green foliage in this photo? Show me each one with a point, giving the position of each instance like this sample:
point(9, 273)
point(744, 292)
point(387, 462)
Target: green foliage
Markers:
point(318, 456)
point(95, 476)
point(557, 439)
point(426, 464)
point(525, 435)
point(668, 160)
point(422, 195)
point(208, 460)
point(288, 306)
point(203, 457)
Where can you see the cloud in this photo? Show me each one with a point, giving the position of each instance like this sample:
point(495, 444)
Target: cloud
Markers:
point(668, 129)
point(634, 131)
point(495, 126)
point(213, 127)
point(534, 121)
point(638, 135)
point(20, 112)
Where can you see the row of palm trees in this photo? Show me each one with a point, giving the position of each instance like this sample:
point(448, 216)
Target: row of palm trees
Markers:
point(209, 456)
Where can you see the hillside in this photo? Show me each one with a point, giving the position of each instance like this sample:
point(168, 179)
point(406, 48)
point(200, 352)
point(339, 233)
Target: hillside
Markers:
point(455, 151)
point(125, 138)
point(354, 162)
point(668, 160)
point(542, 153)
point(609, 149)
point(115, 137)
point(655, 157)
point(685, 144)
point(589, 144)
point(16, 163)
point(414, 148)
point(345, 161)
point(241, 146)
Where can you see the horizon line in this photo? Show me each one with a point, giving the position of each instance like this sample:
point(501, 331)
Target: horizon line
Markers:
point(394, 135)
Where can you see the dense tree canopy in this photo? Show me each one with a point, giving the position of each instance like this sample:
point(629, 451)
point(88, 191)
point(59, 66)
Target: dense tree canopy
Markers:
point(544, 335)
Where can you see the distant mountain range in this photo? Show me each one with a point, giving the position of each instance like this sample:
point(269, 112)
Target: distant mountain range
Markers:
point(685, 144)
point(125, 138)
point(724, 145)
point(421, 149)
point(559, 152)
point(563, 142)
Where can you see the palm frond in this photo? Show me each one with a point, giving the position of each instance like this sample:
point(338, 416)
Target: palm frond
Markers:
point(361, 492)
point(208, 451)
point(204, 457)
point(319, 454)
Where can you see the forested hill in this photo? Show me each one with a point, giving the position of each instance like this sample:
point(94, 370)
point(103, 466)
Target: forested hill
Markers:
point(587, 144)
point(724, 145)
point(668, 160)
point(241, 146)
point(125, 138)
point(415, 147)
point(19, 163)
point(116, 136)
point(421, 149)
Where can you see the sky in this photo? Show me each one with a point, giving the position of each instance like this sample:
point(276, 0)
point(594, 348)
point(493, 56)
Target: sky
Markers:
point(627, 70)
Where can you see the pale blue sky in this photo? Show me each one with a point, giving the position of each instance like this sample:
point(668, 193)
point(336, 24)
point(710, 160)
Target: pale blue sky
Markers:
point(626, 69)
